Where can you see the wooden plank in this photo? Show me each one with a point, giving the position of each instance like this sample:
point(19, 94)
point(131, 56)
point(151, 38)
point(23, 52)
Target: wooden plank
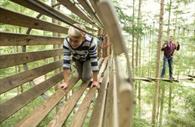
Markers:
point(163, 79)
point(39, 6)
point(98, 111)
point(87, 7)
point(42, 9)
point(126, 104)
point(23, 77)
point(125, 94)
point(75, 10)
point(95, 8)
point(33, 119)
point(65, 111)
point(20, 58)
point(83, 109)
point(115, 117)
point(108, 111)
point(109, 19)
point(12, 39)
point(103, 67)
point(13, 105)
point(80, 115)
point(13, 18)
point(143, 79)
point(192, 76)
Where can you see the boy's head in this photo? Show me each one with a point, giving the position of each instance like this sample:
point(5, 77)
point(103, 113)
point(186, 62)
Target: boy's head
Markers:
point(171, 38)
point(75, 35)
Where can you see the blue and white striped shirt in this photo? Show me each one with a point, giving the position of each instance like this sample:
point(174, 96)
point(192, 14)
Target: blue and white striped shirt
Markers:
point(86, 51)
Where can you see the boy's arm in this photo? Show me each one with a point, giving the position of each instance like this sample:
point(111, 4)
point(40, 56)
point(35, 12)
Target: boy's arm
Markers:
point(66, 75)
point(177, 46)
point(95, 76)
point(164, 46)
point(66, 64)
point(94, 63)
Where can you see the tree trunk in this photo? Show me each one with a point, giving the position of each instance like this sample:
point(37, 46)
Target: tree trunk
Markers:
point(163, 87)
point(156, 92)
point(133, 34)
point(138, 56)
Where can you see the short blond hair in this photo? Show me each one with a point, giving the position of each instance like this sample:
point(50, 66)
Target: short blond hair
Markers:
point(74, 32)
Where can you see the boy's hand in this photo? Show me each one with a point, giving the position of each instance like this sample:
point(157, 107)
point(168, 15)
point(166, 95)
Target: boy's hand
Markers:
point(164, 45)
point(95, 84)
point(64, 86)
point(177, 43)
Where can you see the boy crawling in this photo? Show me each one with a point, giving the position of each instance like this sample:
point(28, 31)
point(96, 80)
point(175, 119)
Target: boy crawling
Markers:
point(81, 49)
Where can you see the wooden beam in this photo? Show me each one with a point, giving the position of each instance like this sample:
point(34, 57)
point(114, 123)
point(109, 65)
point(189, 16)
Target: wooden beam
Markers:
point(109, 19)
point(98, 111)
point(114, 87)
point(80, 115)
point(65, 110)
point(125, 93)
point(13, 105)
point(143, 79)
point(13, 18)
point(107, 120)
point(95, 8)
point(26, 76)
point(20, 58)
point(162, 79)
point(12, 39)
point(87, 7)
point(39, 6)
point(103, 67)
point(68, 4)
point(45, 9)
point(150, 79)
point(192, 76)
point(33, 119)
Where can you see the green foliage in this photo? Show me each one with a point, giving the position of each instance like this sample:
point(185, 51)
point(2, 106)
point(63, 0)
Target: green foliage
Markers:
point(140, 123)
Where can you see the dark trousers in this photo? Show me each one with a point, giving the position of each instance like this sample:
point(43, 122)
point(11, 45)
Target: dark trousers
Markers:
point(168, 60)
point(84, 69)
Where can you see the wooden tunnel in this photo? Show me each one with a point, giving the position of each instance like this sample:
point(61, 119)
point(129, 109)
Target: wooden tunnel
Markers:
point(112, 104)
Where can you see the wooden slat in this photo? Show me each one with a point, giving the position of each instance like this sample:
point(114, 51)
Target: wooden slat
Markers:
point(126, 104)
point(94, 6)
point(192, 76)
point(39, 6)
point(142, 78)
point(80, 115)
point(87, 7)
point(13, 18)
point(163, 79)
point(33, 119)
point(108, 111)
point(12, 39)
point(13, 105)
point(75, 10)
point(103, 67)
point(65, 111)
point(83, 109)
point(23, 77)
point(125, 94)
point(50, 11)
point(20, 58)
point(98, 111)
point(115, 117)
point(109, 19)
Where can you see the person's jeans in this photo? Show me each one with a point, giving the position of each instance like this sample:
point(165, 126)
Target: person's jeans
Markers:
point(170, 61)
point(84, 69)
